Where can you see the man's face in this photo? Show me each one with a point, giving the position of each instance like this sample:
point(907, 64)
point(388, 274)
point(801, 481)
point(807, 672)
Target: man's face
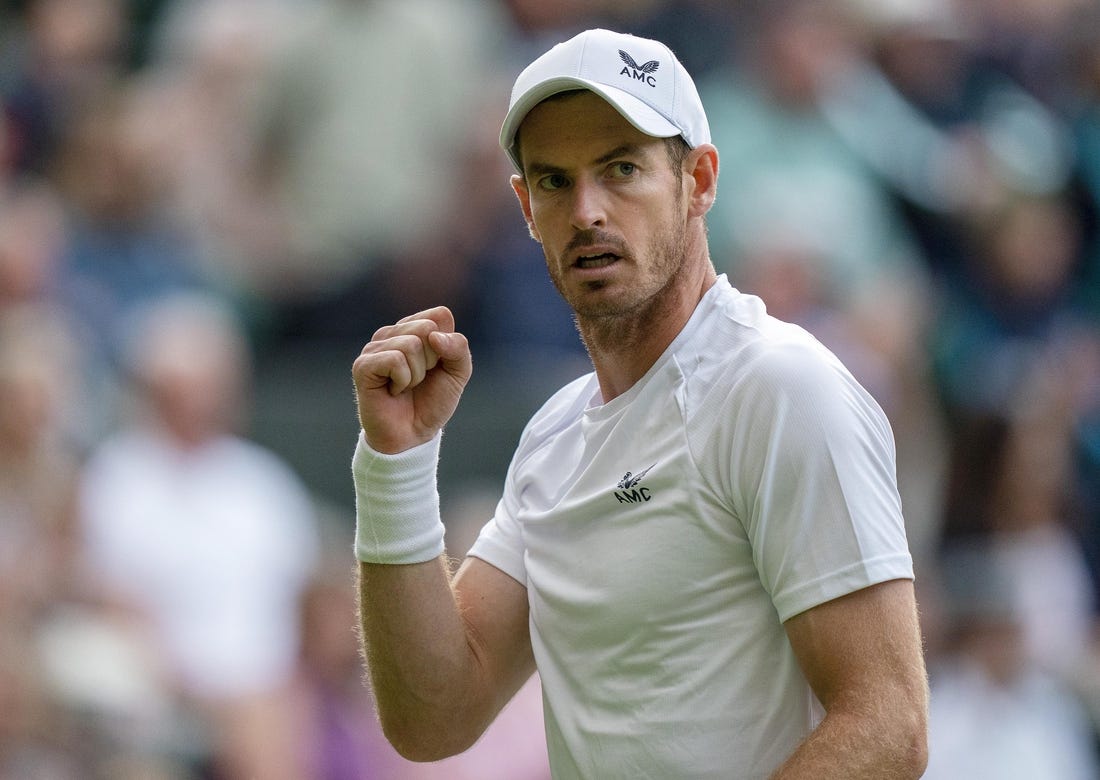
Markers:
point(605, 203)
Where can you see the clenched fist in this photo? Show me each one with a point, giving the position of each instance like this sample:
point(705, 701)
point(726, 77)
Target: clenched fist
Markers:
point(409, 378)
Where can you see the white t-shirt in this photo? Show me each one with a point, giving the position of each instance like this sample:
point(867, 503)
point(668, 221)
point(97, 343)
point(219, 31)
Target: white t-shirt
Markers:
point(216, 544)
point(665, 536)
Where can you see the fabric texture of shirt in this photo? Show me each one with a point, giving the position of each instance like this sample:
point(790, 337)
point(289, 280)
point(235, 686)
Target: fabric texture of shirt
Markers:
point(665, 536)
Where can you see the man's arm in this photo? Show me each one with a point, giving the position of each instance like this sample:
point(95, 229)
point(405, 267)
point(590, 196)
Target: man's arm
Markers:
point(862, 656)
point(443, 655)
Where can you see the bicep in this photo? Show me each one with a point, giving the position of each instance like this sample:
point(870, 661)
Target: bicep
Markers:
point(863, 650)
point(494, 609)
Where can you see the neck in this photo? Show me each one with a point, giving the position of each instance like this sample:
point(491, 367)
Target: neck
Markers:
point(624, 347)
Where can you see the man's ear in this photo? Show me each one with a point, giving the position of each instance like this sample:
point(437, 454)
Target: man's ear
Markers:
point(701, 167)
point(519, 186)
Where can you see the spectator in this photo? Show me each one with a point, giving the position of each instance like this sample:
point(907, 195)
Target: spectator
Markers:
point(37, 465)
point(206, 535)
point(1013, 333)
point(1011, 310)
point(206, 64)
point(38, 471)
point(32, 239)
point(363, 119)
point(1025, 40)
point(122, 248)
point(1011, 491)
point(64, 53)
point(953, 133)
point(802, 195)
point(994, 711)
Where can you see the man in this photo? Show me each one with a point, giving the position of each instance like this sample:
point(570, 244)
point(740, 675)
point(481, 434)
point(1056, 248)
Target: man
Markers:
point(170, 508)
point(700, 545)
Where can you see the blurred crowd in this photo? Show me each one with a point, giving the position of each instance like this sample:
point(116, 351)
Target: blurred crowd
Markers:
point(208, 206)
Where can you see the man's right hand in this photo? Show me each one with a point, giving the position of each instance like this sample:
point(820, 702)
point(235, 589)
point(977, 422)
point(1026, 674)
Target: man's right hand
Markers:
point(409, 378)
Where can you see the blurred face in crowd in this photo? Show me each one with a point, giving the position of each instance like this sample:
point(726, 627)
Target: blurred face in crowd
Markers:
point(105, 167)
point(195, 395)
point(26, 408)
point(36, 361)
point(193, 374)
point(32, 236)
point(604, 201)
point(77, 43)
point(1034, 245)
point(799, 44)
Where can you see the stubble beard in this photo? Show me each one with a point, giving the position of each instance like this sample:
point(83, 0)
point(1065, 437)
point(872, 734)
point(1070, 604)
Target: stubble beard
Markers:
point(615, 322)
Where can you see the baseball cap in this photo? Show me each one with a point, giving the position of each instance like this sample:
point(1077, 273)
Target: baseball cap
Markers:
point(640, 77)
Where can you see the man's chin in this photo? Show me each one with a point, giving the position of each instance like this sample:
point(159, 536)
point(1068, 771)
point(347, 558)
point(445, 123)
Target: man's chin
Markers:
point(602, 304)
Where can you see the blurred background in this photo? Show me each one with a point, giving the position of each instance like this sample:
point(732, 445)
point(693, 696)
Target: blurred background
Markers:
point(208, 206)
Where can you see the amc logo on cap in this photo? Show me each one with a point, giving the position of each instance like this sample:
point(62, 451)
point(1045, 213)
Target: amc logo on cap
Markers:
point(639, 72)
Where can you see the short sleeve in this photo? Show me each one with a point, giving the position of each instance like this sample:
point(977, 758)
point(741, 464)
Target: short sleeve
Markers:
point(500, 542)
point(813, 479)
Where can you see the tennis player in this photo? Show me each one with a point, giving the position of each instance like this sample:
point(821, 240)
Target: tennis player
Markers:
point(700, 544)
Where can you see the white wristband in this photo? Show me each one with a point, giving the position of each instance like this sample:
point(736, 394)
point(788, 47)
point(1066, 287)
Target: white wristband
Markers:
point(397, 504)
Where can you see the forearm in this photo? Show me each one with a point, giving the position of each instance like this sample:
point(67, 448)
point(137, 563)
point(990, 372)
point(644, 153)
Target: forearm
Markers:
point(436, 680)
point(423, 666)
point(420, 662)
point(887, 743)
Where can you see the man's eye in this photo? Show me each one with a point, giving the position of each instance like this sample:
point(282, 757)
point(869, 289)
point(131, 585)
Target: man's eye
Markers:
point(621, 169)
point(554, 181)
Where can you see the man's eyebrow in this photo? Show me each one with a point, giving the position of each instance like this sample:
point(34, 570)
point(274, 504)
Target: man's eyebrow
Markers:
point(625, 150)
point(543, 169)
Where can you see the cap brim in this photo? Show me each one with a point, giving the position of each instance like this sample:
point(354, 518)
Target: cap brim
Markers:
point(639, 114)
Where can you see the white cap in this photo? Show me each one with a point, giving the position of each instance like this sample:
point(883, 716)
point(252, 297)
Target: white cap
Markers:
point(640, 77)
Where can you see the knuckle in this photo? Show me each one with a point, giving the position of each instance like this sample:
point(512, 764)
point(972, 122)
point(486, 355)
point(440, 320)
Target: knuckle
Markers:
point(407, 342)
point(361, 364)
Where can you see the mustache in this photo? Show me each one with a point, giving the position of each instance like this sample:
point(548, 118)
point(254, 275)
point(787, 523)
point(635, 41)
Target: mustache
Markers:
point(592, 237)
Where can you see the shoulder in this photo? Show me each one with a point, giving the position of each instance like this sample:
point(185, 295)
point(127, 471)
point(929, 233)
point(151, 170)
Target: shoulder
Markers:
point(802, 387)
point(799, 368)
point(752, 377)
point(739, 347)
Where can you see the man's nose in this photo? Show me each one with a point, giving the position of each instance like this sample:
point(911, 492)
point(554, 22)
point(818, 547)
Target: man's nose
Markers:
point(589, 208)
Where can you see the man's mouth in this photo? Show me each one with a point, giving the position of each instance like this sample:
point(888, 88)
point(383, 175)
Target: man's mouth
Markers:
point(596, 261)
